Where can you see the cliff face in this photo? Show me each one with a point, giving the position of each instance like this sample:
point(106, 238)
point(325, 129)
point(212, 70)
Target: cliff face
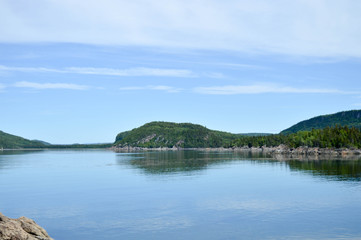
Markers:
point(21, 229)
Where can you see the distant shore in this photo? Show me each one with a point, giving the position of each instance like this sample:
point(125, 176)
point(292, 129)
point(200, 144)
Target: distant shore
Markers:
point(281, 149)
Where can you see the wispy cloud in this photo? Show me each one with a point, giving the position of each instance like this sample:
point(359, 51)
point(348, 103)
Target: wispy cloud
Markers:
point(130, 72)
point(157, 88)
point(262, 88)
point(34, 85)
point(165, 88)
point(2, 86)
point(300, 27)
point(29, 69)
point(131, 88)
point(240, 66)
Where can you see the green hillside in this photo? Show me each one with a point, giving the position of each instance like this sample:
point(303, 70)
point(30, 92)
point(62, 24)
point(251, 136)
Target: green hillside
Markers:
point(329, 137)
point(167, 134)
point(8, 141)
point(348, 118)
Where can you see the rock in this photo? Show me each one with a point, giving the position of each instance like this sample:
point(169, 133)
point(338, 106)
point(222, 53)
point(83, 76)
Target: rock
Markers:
point(21, 229)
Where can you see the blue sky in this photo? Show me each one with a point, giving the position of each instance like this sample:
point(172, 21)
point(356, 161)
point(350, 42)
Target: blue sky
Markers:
point(83, 71)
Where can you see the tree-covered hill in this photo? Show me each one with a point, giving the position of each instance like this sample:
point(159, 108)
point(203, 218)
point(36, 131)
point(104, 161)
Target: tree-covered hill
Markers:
point(329, 137)
point(348, 118)
point(168, 134)
point(8, 141)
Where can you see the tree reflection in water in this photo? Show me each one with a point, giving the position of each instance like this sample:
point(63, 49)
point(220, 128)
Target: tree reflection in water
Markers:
point(174, 162)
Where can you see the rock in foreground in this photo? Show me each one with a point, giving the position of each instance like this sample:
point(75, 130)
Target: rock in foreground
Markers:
point(21, 229)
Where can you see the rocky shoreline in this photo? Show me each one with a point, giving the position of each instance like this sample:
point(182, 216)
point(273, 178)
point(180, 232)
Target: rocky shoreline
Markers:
point(21, 229)
point(281, 149)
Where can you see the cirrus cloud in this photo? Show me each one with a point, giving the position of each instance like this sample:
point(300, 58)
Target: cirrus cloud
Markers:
point(130, 72)
point(262, 88)
point(158, 88)
point(33, 85)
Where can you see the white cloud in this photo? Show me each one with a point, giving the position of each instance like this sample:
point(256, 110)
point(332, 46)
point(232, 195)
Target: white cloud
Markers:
point(157, 88)
point(130, 72)
point(2, 86)
point(322, 28)
point(165, 88)
point(29, 69)
point(33, 85)
point(131, 88)
point(262, 88)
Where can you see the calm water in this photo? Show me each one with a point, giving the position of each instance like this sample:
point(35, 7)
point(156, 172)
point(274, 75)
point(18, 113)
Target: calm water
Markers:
point(181, 195)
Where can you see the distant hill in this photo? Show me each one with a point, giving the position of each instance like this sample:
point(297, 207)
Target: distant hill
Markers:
point(8, 141)
point(348, 118)
point(254, 134)
point(168, 134)
point(42, 142)
point(329, 137)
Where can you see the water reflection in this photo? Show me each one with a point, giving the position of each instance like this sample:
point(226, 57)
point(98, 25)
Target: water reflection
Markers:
point(8, 161)
point(18, 152)
point(338, 169)
point(169, 162)
point(173, 162)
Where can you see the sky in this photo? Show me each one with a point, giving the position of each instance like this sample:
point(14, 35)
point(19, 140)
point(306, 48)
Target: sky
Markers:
point(74, 71)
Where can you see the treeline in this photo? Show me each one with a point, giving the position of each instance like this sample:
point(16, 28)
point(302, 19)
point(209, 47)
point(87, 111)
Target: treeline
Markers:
point(80, 146)
point(329, 137)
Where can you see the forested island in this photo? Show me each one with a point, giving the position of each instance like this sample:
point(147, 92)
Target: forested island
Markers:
point(333, 131)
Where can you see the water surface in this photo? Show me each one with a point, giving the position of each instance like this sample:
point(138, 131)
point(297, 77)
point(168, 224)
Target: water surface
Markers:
point(181, 195)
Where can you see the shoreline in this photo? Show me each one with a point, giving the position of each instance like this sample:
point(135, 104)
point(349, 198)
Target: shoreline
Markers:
point(273, 151)
point(49, 149)
point(279, 150)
